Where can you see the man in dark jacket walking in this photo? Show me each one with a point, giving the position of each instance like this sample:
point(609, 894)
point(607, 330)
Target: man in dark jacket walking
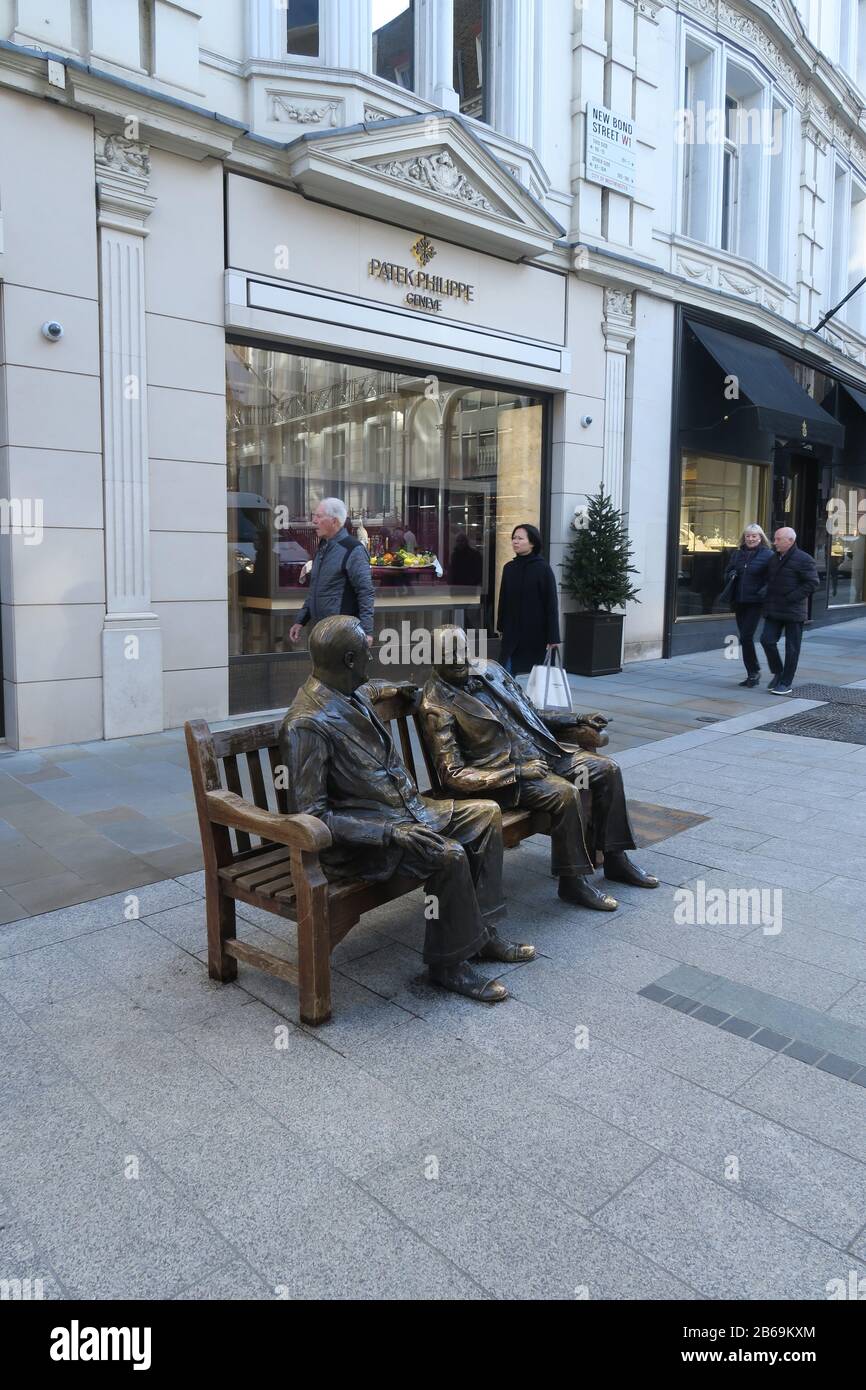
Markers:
point(340, 580)
point(791, 578)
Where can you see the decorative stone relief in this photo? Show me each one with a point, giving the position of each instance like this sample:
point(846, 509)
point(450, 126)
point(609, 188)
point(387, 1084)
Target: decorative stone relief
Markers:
point(695, 270)
point(746, 288)
point(811, 132)
point(749, 29)
point(842, 137)
point(439, 174)
point(373, 113)
point(618, 303)
point(122, 155)
point(283, 108)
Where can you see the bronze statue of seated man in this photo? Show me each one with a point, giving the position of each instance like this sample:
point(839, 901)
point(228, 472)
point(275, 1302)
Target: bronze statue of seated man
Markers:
point(487, 739)
point(343, 768)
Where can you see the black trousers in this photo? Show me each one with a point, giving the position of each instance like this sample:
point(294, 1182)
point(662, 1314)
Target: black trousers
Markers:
point(748, 616)
point(770, 634)
point(572, 844)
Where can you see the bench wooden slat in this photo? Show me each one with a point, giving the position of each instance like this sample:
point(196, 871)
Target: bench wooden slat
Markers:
point(263, 960)
point(281, 792)
point(230, 742)
point(406, 745)
point(257, 781)
point(233, 783)
point(256, 859)
point(266, 882)
point(259, 880)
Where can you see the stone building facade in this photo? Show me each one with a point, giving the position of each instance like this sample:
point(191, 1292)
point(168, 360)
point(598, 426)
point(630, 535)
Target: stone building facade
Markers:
point(363, 247)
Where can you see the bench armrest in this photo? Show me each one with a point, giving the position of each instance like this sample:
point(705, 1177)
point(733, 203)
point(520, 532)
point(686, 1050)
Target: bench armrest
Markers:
point(297, 832)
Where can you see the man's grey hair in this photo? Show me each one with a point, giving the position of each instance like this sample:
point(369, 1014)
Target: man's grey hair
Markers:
point(333, 506)
point(788, 532)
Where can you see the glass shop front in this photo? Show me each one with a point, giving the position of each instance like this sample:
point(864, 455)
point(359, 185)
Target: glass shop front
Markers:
point(769, 438)
point(435, 472)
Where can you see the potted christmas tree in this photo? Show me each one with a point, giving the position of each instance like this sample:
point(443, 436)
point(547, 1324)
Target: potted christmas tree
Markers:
point(596, 573)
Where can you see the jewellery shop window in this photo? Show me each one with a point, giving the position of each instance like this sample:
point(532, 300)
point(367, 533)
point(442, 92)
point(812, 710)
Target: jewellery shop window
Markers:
point(435, 474)
point(846, 511)
point(720, 498)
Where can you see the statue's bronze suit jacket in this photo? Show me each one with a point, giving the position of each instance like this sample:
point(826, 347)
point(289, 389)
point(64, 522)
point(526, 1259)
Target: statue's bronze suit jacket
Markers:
point(344, 768)
point(445, 709)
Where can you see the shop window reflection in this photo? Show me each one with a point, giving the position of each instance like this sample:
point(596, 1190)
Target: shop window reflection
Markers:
point(846, 515)
point(394, 41)
point(433, 486)
point(720, 497)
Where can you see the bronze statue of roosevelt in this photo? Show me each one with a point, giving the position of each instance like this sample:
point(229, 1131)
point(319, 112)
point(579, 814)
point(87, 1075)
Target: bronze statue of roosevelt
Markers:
point(343, 768)
point(487, 739)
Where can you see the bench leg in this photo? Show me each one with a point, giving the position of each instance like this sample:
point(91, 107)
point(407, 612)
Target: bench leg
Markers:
point(314, 939)
point(314, 968)
point(220, 928)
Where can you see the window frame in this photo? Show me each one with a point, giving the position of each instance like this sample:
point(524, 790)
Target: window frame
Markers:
point(484, 58)
point(317, 57)
point(416, 48)
point(698, 189)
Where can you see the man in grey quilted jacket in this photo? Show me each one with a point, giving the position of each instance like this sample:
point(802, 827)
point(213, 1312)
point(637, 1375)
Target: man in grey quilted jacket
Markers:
point(340, 580)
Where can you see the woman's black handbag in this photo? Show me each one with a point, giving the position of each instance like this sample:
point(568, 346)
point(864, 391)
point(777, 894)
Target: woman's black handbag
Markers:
point(727, 594)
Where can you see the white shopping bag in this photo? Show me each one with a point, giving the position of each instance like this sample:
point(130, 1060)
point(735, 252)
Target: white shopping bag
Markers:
point(548, 687)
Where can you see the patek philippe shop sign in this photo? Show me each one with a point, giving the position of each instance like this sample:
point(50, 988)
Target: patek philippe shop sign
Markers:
point(610, 149)
point(424, 290)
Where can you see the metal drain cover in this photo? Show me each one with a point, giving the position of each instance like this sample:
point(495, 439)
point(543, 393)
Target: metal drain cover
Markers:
point(834, 694)
point(840, 722)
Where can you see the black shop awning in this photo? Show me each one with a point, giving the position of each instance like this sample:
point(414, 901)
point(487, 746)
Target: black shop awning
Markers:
point(781, 405)
point(858, 397)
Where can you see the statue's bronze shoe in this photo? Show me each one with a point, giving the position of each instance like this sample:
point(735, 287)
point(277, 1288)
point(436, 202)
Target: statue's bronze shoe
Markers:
point(619, 868)
point(462, 979)
point(577, 889)
point(506, 952)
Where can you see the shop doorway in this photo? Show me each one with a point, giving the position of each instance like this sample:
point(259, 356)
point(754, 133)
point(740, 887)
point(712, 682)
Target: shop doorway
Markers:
point(797, 503)
point(796, 491)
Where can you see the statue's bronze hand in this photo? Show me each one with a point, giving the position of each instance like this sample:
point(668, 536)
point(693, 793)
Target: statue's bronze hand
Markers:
point(420, 837)
point(534, 770)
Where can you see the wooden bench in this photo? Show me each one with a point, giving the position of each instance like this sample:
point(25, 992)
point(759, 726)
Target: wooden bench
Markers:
point(254, 852)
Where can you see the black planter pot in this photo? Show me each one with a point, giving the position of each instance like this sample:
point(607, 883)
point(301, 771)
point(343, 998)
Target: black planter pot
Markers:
point(593, 643)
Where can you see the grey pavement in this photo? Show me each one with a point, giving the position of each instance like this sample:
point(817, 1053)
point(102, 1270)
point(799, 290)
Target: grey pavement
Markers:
point(672, 1104)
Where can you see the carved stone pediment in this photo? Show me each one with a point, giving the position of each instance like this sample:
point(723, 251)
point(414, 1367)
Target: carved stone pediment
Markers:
point(430, 171)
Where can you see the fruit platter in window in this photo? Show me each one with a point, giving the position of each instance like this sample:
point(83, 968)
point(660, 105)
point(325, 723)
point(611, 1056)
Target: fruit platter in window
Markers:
point(396, 560)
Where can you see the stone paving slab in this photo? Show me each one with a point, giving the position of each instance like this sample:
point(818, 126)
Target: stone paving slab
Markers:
point(668, 1211)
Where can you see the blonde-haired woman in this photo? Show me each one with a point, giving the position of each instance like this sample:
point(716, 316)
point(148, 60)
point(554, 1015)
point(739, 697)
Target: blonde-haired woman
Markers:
point(747, 573)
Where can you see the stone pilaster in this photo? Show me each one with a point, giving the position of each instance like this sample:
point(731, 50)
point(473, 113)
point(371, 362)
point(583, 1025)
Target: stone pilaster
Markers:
point(347, 34)
point(618, 329)
point(131, 640)
point(435, 58)
point(512, 68)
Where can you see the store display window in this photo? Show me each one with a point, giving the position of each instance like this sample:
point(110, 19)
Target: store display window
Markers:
point(435, 474)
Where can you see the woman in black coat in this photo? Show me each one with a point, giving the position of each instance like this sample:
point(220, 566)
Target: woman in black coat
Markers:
point(528, 616)
point(748, 569)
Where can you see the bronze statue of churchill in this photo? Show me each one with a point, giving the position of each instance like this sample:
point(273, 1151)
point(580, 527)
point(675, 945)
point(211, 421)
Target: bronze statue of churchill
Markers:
point(343, 768)
point(487, 739)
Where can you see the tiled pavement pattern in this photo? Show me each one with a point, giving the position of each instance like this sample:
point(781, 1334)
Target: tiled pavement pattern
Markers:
point(810, 1036)
point(165, 1136)
point(83, 821)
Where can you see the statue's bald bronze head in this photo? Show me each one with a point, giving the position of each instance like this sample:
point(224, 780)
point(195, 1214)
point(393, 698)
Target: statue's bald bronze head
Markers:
point(340, 653)
point(451, 657)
